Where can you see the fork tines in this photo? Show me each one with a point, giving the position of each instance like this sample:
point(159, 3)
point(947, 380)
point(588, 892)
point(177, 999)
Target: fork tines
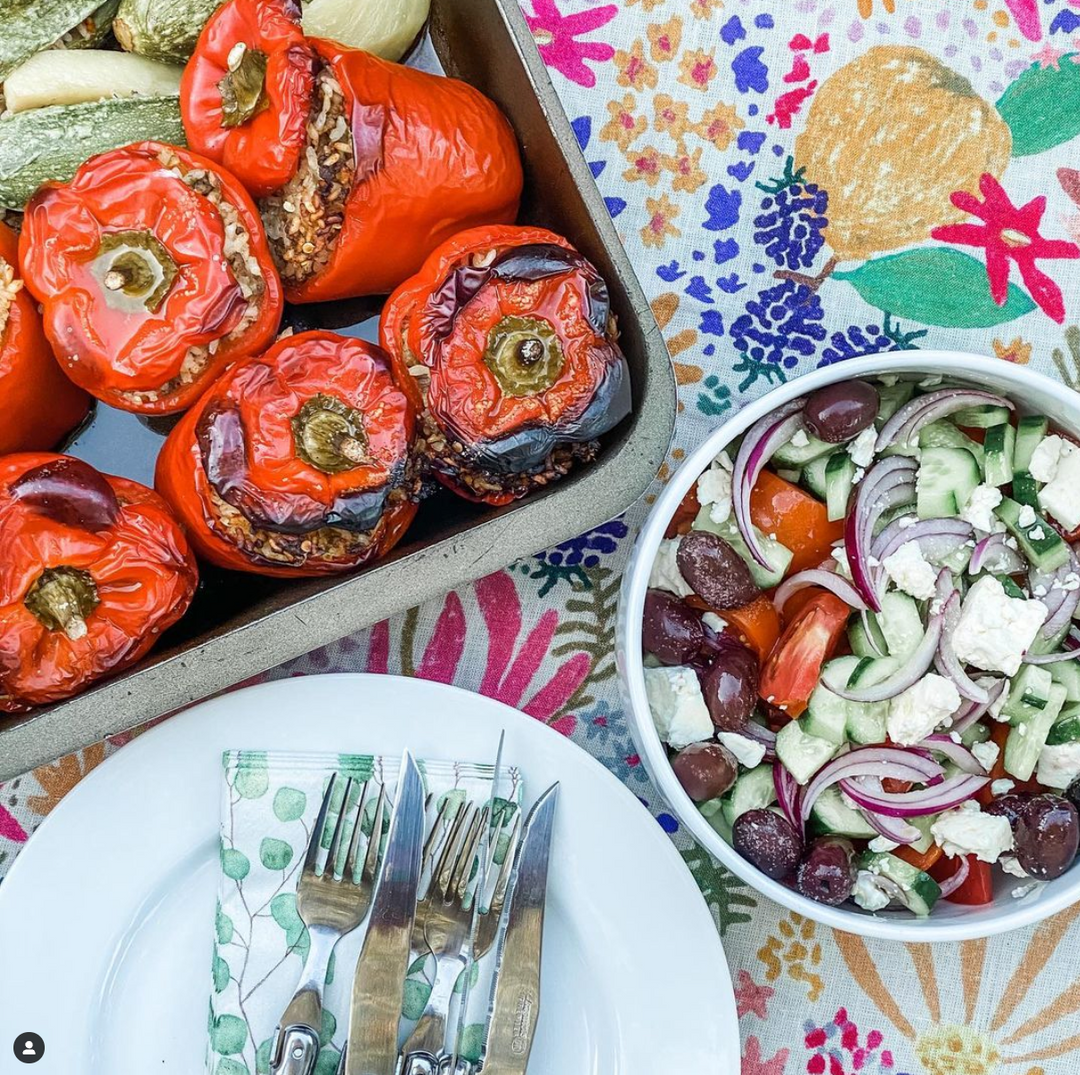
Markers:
point(319, 830)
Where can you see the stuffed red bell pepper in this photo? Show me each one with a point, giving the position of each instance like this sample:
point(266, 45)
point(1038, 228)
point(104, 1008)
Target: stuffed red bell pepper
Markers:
point(153, 272)
point(506, 341)
point(297, 462)
point(94, 569)
point(246, 93)
point(38, 404)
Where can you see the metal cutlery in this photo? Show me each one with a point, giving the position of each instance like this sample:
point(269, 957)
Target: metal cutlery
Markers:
point(330, 905)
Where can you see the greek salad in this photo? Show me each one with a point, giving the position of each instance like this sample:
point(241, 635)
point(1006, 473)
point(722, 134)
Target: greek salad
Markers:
point(859, 644)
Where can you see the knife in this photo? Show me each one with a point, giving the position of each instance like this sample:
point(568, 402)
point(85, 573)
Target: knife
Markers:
point(379, 983)
point(515, 994)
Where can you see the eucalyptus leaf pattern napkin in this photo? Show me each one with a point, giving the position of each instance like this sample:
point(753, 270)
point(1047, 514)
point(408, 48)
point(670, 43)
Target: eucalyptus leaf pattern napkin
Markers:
point(269, 805)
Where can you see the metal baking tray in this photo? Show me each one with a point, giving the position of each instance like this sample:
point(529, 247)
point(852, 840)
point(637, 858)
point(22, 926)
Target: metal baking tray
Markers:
point(240, 625)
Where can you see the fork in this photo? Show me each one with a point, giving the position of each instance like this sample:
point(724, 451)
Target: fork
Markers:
point(330, 906)
point(443, 919)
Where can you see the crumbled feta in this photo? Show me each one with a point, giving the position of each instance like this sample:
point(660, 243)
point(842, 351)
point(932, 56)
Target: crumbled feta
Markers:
point(916, 712)
point(907, 521)
point(714, 622)
point(1061, 497)
point(968, 831)
point(986, 754)
point(889, 379)
point(1059, 765)
point(998, 704)
point(868, 893)
point(800, 439)
point(861, 449)
point(1069, 583)
point(1021, 891)
point(678, 706)
point(1001, 787)
point(1036, 533)
point(931, 381)
point(911, 572)
point(994, 630)
point(1027, 516)
point(1044, 460)
point(1039, 590)
point(979, 509)
point(839, 554)
point(882, 843)
point(714, 492)
point(665, 574)
point(848, 801)
point(1011, 865)
point(747, 752)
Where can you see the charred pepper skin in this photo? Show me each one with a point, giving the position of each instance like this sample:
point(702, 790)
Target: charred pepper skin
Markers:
point(38, 404)
point(506, 342)
point(98, 569)
point(298, 462)
point(433, 156)
point(246, 92)
point(136, 267)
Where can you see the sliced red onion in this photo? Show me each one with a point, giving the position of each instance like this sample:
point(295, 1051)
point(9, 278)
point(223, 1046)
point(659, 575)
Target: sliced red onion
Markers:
point(765, 736)
point(892, 828)
point(946, 659)
point(828, 580)
point(1060, 603)
point(957, 753)
point(869, 635)
point(757, 448)
point(970, 712)
point(936, 538)
point(912, 416)
point(894, 762)
point(889, 482)
point(787, 795)
point(951, 792)
point(994, 555)
point(951, 884)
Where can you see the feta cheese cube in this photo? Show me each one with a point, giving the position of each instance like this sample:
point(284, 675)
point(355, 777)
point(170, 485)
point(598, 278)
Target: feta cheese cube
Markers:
point(986, 754)
point(1044, 460)
point(1059, 765)
point(868, 893)
point(882, 843)
point(714, 622)
point(1061, 496)
point(1011, 865)
point(839, 554)
point(1001, 787)
point(861, 449)
point(665, 574)
point(714, 492)
point(748, 752)
point(678, 706)
point(1027, 516)
point(916, 712)
point(968, 831)
point(994, 630)
point(800, 439)
point(979, 509)
point(911, 572)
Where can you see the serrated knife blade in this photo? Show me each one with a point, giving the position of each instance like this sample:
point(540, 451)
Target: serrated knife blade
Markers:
point(515, 994)
point(379, 983)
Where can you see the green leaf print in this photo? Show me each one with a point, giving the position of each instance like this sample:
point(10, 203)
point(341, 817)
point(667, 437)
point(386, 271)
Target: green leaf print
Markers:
point(228, 1066)
point(252, 778)
point(234, 864)
point(329, 1027)
point(474, 973)
point(726, 895)
point(262, 1057)
point(417, 992)
point(221, 973)
point(935, 286)
point(275, 854)
point(1042, 107)
point(289, 804)
point(223, 926)
point(228, 1035)
point(328, 1061)
point(283, 910)
point(472, 1041)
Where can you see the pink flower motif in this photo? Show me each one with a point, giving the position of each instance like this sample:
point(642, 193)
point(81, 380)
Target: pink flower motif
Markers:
point(1026, 15)
point(557, 39)
point(751, 998)
point(10, 829)
point(1048, 57)
point(753, 1064)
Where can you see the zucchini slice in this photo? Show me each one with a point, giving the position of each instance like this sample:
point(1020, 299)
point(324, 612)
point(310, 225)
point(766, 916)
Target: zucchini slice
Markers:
point(165, 30)
point(28, 26)
point(387, 28)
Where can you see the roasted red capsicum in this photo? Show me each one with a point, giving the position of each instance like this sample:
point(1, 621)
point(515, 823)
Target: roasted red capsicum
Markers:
point(506, 341)
point(38, 404)
point(153, 272)
point(246, 92)
point(94, 569)
point(395, 161)
point(297, 462)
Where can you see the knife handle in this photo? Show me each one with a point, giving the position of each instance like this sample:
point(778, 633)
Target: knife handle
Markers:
point(296, 1049)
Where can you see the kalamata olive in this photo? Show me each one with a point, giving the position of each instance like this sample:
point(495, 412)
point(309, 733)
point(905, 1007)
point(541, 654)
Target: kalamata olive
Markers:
point(715, 571)
point(1047, 836)
point(1072, 793)
point(1010, 806)
point(705, 770)
point(840, 411)
point(827, 872)
point(730, 685)
point(768, 840)
point(670, 630)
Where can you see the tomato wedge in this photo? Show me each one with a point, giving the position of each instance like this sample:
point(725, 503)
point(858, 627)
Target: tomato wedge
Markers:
point(977, 888)
point(684, 515)
point(793, 669)
point(757, 624)
point(799, 521)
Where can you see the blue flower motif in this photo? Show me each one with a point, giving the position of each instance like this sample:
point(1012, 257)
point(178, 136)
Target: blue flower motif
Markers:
point(612, 746)
point(791, 224)
point(750, 72)
point(567, 562)
point(722, 206)
point(857, 340)
point(780, 325)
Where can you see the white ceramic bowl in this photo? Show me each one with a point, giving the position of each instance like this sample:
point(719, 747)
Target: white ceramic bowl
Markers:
point(948, 922)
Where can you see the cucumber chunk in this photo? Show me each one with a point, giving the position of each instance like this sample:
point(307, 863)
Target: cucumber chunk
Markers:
point(839, 481)
point(891, 397)
point(754, 790)
point(802, 754)
point(1029, 694)
point(831, 816)
point(983, 416)
point(813, 475)
point(1029, 431)
point(1028, 737)
point(1039, 542)
point(943, 434)
point(901, 624)
point(946, 478)
point(1000, 448)
point(865, 637)
point(777, 555)
point(1066, 729)
point(798, 455)
point(919, 891)
point(826, 713)
point(1067, 673)
point(1025, 489)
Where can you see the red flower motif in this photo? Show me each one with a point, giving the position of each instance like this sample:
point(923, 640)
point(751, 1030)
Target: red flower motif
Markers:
point(1010, 233)
point(751, 998)
point(557, 39)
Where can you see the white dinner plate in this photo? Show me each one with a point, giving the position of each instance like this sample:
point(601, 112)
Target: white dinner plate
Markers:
point(106, 917)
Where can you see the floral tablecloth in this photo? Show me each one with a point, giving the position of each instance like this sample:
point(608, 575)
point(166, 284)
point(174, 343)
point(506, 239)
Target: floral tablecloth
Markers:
point(788, 175)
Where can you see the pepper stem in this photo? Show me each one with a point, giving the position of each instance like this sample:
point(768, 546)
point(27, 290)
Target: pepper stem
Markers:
point(61, 598)
point(329, 435)
point(243, 88)
point(525, 355)
point(135, 269)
